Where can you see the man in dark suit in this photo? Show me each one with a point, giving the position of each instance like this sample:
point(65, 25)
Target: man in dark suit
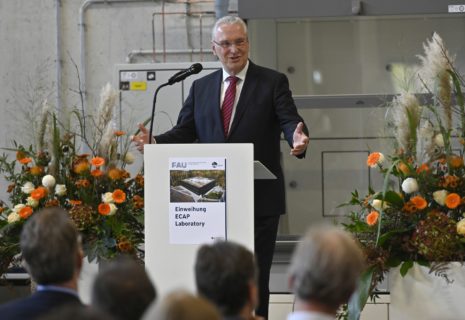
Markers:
point(244, 103)
point(53, 256)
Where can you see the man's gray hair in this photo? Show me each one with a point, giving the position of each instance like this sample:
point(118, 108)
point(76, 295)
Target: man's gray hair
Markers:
point(326, 266)
point(228, 20)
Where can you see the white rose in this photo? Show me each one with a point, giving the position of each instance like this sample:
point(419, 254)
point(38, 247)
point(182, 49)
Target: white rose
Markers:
point(410, 185)
point(129, 158)
point(13, 217)
point(440, 196)
point(113, 209)
point(17, 208)
point(32, 202)
point(48, 181)
point(439, 140)
point(376, 204)
point(461, 227)
point(60, 190)
point(107, 197)
point(28, 187)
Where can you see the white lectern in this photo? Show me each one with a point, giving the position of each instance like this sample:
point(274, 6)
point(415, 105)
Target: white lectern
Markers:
point(169, 257)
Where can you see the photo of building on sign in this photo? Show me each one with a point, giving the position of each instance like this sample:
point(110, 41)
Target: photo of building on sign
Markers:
point(197, 186)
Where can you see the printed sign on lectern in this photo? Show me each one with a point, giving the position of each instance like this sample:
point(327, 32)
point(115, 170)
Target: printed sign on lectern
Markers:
point(197, 209)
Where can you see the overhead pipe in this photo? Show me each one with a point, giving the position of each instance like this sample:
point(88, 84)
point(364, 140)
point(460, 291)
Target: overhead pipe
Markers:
point(199, 14)
point(82, 31)
point(221, 8)
point(149, 52)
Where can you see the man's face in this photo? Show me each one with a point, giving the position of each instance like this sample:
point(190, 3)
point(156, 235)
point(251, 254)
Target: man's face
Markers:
point(231, 46)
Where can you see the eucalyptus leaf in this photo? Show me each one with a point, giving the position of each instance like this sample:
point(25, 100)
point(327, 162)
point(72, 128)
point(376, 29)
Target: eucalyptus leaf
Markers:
point(360, 297)
point(405, 267)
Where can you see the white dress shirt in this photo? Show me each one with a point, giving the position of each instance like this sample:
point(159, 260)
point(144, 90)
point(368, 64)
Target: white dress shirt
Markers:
point(307, 315)
point(240, 83)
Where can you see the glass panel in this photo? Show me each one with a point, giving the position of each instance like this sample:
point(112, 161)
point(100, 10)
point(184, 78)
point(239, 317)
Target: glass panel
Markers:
point(362, 55)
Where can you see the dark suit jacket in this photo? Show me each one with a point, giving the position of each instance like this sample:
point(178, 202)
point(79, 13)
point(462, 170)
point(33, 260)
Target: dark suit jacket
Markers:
point(264, 110)
point(36, 305)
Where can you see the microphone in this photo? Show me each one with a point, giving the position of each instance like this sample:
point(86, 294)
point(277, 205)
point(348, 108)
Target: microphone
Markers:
point(183, 74)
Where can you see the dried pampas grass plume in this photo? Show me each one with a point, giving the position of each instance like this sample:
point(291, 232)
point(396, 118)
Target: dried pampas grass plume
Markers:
point(434, 74)
point(406, 112)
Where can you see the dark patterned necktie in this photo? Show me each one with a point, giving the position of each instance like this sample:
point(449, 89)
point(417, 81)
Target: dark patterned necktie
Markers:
point(228, 103)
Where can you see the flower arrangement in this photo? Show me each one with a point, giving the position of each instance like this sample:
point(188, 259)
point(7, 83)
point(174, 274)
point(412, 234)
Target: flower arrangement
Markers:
point(83, 172)
point(418, 216)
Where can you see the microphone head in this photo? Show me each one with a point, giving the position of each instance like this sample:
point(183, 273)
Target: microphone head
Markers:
point(196, 68)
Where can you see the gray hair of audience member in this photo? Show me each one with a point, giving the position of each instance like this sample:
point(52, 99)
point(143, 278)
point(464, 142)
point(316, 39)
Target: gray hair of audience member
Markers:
point(182, 305)
point(50, 246)
point(123, 289)
point(326, 266)
point(228, 20)
point(223, 274)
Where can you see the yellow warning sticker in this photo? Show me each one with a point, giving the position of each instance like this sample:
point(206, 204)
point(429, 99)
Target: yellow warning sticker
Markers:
point(138, 86)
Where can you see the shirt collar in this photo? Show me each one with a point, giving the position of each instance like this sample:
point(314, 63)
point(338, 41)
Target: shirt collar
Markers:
point(41, 287)
point(307, 315)
point(240, 75)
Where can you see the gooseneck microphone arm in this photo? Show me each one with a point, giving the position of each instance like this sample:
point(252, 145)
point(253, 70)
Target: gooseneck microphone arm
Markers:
point(177, 77)
point(152, 117)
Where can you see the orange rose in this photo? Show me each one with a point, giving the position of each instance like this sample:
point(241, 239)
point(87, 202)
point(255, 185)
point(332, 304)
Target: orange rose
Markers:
point(75, 202)
point(455, 161)
point(423, 168)
point(138, 201)
point(119, 196)
point(453, 200)
point(84, 183)
point(139, 180)
point(97, 161)
point(38, 193)
point(372, 218)
point(104, 209)
point(25, 160)
point(81, 167)
point(96, 173)
point(36, 170)
point(402, 167)
point(25, 212)
point(375, 158)
point(419, 202)
point(114, 174)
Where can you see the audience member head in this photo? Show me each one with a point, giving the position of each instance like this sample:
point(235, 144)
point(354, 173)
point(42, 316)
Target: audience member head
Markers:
point(325, 268)
point(123, 289)
point(225, 274)
point(51, 249)
point(182, 305)
point(76, 312)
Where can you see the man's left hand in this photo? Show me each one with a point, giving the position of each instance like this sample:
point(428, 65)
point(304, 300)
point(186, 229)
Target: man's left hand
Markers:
point(300, 140)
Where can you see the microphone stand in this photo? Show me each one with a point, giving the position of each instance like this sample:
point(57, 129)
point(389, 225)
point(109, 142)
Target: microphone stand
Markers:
point(152, 118)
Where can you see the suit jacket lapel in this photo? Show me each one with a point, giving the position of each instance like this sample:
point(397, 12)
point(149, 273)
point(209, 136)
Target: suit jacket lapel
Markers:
point(247, 90)
point(214, 106)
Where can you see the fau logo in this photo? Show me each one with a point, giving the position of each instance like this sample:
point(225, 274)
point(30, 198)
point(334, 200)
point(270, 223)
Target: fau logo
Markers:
point(181, 165)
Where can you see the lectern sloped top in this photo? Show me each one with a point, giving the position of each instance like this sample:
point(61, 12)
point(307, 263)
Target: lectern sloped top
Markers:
point(260, 172)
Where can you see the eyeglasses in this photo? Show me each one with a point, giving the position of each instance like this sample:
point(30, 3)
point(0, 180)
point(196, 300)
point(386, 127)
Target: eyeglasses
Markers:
point(228, 44)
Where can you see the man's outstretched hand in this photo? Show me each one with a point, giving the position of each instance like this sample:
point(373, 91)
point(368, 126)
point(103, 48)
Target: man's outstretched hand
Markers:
point(141, 138)
point(300, 140)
